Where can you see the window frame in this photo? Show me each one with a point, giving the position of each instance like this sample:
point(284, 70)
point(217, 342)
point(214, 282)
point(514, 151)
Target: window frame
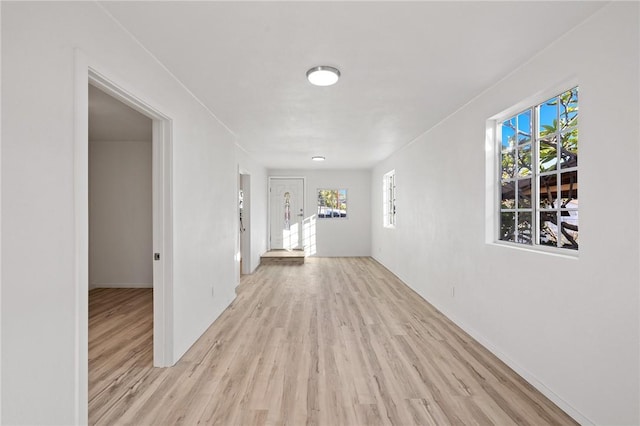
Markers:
point(389, 197)
point(337, 190)
point(495, 179)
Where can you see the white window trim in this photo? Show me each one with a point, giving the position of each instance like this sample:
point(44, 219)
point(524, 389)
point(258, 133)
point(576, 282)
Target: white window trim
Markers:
point(388, 212)
point(493, 171)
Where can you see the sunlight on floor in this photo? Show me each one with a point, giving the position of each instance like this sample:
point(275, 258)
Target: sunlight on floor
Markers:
point(309, 235)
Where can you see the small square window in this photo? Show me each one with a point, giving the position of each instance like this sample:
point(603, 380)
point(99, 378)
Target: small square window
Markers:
point(332, 203)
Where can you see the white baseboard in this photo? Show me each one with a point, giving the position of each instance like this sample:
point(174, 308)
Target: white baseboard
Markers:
point(121, 285)
point(522, 371)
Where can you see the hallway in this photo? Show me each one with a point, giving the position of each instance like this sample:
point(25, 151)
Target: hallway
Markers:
point(336, 341)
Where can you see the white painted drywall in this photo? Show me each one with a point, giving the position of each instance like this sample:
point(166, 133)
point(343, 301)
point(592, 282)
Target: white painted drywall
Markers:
point(120, 214)
point(337, 236)
point(38, 239)
point(1, 133)
point(570, 326)
point(256, 203)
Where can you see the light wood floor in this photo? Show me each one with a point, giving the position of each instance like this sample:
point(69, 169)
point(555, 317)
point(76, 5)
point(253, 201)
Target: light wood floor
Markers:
point(333, 342)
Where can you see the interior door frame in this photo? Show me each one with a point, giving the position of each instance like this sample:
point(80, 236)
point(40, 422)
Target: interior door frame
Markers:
point(88, 73)
point(244, 184)
point(304, 202)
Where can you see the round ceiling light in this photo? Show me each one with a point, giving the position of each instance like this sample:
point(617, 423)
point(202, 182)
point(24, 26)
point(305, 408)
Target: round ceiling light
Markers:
point(318, 158)
point(323, 75)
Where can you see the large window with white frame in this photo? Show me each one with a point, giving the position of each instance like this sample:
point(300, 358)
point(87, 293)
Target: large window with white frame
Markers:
point(389, 199)
point(538, 178)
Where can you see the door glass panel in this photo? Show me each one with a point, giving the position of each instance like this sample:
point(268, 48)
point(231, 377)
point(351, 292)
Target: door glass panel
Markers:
point(287, 211)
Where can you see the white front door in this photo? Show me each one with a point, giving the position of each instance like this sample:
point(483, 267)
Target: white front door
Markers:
point(286, 212)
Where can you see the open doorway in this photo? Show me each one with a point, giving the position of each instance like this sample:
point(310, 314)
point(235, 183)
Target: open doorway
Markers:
point(120, 270)
point(120, 195)
point(87, 75)
point(161, 254)
point(244, 208)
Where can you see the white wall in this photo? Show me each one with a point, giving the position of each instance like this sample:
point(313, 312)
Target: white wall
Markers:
point(337, 236)
point(1, 218)
point(570, 326)
point(256, 203)
point(120, 214)
point(39, 330)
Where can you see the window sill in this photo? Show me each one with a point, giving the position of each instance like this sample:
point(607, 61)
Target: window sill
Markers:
point(551, 251)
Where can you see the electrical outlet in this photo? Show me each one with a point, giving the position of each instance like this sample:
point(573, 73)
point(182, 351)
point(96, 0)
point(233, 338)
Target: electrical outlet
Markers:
point(211, 291)
point(453, 291)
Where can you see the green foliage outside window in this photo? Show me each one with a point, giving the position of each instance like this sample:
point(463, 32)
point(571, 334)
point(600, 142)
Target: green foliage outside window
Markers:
point(332, 203)
point(539, 174)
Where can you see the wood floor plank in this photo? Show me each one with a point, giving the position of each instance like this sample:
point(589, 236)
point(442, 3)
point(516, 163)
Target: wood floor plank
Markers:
point(336, 341)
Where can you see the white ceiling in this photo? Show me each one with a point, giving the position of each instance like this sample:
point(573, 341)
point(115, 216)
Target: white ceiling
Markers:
point(111, 120)
point(405, 66)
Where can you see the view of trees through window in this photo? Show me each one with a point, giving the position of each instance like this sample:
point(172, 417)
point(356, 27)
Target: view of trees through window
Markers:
point(539, 174)
point(332, 203)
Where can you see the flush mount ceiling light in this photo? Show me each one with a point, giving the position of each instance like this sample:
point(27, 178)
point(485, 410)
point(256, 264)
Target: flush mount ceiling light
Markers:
point(323, 75)
point(317, 158)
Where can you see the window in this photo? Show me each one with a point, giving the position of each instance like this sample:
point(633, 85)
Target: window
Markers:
point(332, 203)
point(539, 174)
point(389, 199)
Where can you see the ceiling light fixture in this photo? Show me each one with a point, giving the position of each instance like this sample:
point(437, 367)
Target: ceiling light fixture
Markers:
point(318, 158)
point(323, 75)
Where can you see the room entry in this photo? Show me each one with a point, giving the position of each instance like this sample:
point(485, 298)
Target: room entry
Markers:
point(244, 213)
point(120, 194)
point(143, 191)
point(286, 212)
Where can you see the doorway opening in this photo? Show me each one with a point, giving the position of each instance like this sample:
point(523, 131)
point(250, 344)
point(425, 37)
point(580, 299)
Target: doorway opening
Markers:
point(120, 270)
point(244, 213)
point(120, 195)
point(162, 243)
point(161, 207)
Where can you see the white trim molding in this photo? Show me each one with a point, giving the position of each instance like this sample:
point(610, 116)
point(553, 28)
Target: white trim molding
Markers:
point(87, 72)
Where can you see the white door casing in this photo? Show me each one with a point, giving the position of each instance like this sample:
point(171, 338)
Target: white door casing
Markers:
point(162, 220)
point(86, 73)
